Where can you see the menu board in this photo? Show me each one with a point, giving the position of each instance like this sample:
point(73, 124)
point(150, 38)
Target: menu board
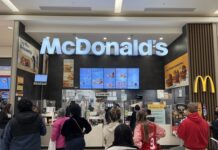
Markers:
point(109, 78)
point(85, 78)
point(97, 78)
point(133, 78)
point(5, 83)
point(121, 78)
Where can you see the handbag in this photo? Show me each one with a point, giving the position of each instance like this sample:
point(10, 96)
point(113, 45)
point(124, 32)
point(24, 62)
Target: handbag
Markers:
point(52, 145)
point(78, 125)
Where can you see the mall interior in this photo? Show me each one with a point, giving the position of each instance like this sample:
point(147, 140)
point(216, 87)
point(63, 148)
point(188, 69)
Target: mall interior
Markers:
point(159, 55)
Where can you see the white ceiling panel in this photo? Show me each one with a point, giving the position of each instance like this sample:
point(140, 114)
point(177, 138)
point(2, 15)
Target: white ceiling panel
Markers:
point(106, 7)
point(3, 8)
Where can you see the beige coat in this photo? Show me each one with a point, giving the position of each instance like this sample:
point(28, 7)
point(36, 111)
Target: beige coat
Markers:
point(108, 133)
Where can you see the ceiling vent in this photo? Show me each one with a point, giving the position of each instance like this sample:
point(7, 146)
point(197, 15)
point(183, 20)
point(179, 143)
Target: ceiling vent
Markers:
point(169, 9)
point(75, 9)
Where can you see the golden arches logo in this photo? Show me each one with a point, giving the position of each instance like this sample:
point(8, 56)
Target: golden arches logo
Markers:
point(204, 83)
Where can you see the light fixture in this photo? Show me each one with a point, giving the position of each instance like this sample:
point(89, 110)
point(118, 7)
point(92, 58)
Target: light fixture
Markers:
point(129, 38)
point(104, 38)
point(161, 38)
point(118, 6)
point(10, 28)
point(216, 12)
point(76, 37)
point(10, 5)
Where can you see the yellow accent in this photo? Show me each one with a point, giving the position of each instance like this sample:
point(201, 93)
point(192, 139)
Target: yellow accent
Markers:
point(204, 83)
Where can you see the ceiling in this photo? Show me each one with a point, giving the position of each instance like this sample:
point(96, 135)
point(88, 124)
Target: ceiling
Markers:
point(106, 7)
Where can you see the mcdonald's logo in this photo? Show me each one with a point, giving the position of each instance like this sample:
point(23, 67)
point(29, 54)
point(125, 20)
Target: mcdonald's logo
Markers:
point(204, 83)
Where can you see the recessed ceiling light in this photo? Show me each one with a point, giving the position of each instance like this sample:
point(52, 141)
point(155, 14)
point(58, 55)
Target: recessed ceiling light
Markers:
point(154, 46)
point(161, 38)
point(118, 6)
point(105, 38)
point(76, 37)
point(216, 12)
point(10, 5)
point(10, 28)
point(129, 38)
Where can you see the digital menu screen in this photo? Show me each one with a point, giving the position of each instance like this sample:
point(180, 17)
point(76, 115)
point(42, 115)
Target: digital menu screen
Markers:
point(41, 78)
point(109, 78)
point(97, 78)
point(133, 78)
point(85, 78)
point(121, 78)
point(4, 83)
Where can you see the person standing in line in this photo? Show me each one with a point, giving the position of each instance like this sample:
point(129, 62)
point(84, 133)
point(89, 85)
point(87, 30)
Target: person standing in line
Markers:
point(133, 117)
point(194, 130)
point(147, 133)
point(23, 131)
point(123, 139)
point(73, 129)
point(214, 126)
point(108, 131)
point(5, 116)
point(69, 107)
point(56, 129)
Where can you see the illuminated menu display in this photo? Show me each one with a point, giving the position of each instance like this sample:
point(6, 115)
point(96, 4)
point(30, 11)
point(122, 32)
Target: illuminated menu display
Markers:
point(109, 78)
point(97, 78)
point(85, 78)
point(133, 78)
point(121, 78)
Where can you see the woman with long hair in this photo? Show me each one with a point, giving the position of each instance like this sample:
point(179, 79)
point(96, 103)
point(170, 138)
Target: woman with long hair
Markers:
point(74, 129)
point(147, 133)
point(123, 139)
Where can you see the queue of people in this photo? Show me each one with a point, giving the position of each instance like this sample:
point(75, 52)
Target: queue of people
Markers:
point(23, 130)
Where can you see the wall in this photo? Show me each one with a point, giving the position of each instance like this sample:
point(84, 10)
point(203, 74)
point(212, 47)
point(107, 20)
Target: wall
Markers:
point(5, 52)
point(176, 49)
point(5, 61)
point(30, 91)
point(151, 70)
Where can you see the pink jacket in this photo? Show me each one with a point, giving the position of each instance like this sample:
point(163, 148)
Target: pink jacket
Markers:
point(138, 137)
point(56, 132)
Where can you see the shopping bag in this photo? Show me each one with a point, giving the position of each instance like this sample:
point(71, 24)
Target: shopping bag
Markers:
point(52, 145)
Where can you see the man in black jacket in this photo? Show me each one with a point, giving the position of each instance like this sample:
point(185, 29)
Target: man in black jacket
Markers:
point(24, 129)
point(133, 117)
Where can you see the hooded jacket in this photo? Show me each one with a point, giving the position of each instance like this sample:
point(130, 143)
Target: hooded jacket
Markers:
point(108, 133)
point(23, 132)
point(56, 132)
point(194, 131)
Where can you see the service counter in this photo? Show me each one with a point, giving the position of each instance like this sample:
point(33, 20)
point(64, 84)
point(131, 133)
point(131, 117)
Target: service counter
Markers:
point(95, 137)
point(169, 139)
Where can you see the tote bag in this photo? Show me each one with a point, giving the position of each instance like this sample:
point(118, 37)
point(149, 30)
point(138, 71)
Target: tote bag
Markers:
point(52, 145)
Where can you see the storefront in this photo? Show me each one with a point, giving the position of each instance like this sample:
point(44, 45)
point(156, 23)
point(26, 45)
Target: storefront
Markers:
point(99, 69)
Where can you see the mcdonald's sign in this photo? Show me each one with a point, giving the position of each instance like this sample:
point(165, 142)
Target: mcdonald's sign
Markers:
point(204, 83)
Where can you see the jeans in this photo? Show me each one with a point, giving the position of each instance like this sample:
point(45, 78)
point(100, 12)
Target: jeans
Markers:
point(76, 144)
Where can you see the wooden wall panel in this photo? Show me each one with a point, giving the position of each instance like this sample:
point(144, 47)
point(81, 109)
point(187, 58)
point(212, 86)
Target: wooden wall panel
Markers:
point(201, 61)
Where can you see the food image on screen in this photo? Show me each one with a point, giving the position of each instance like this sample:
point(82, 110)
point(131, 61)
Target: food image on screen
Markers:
point(109, 78)
point(133, 78)
point(85, 78)
point(121, 78)
point(97, 78)
point(4, 83)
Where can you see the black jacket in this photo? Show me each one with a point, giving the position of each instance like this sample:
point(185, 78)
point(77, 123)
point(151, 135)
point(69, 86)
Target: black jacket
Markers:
point(3, 119)
point(71, 130)
point(215, 129)
point(133, 120)
point(23, 132)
